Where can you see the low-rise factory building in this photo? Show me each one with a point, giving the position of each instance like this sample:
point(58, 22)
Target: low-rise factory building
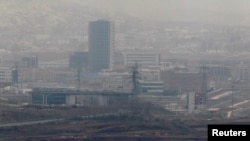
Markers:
point(64, 96)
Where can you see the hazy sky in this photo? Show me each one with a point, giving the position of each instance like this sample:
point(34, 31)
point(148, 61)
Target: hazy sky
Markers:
point(212, 11)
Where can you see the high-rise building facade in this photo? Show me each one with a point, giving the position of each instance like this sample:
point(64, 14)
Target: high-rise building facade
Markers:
point(101, 45)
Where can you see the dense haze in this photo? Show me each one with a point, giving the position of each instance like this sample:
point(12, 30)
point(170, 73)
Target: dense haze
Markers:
point(171, 25)
point(211, 11)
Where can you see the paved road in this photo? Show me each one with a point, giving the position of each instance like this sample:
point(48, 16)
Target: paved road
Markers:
point(57, 120)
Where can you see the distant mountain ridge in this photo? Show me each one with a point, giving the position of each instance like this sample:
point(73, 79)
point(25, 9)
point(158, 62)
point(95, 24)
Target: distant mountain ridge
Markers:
point(35, 13)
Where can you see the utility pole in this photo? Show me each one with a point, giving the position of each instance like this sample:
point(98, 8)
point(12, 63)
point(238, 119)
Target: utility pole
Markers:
point(135, 76)
point(15, 77)
point(232, 101)
point(203, 90)
point(79, 70)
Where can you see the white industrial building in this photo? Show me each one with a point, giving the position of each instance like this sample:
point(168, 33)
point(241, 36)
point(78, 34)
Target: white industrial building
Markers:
point(9, 74)
point(5, 74)
point(151, 87)
point(150, 82)
point(141, 58)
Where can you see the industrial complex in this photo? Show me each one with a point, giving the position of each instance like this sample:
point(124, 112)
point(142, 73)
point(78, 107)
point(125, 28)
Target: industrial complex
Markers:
point(117, 81)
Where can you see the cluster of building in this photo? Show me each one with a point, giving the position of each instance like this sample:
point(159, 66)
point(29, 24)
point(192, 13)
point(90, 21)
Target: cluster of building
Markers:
point(104, 69)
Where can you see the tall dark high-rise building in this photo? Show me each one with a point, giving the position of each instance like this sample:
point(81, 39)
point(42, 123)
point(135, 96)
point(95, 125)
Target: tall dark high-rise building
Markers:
point(101, 45)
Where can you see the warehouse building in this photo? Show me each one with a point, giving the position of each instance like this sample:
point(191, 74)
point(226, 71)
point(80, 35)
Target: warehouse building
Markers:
point(64, 96)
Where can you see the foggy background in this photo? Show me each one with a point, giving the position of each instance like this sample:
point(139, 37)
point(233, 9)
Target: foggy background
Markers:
point(169, 26)
point(210, 11)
